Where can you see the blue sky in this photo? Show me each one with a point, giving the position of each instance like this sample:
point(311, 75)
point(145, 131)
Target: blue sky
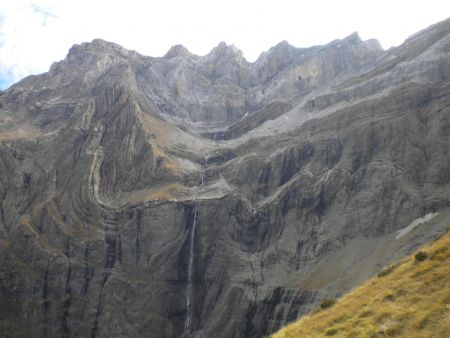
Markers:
point(33, 34)
point(6, 79)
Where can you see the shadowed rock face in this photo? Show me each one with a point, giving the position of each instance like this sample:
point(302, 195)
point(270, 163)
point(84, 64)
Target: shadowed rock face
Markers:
point(297, 171)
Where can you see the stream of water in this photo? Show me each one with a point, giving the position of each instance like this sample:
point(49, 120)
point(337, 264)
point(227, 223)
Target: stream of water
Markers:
point(189, 285)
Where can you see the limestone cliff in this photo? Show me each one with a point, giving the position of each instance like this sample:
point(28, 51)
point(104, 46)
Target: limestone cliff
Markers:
point(213, 197)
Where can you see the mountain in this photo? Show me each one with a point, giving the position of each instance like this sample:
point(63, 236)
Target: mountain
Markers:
point(206, 196)
point(407, 299)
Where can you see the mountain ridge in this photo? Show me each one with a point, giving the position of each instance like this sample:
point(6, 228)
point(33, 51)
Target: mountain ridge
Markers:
point(109, 159)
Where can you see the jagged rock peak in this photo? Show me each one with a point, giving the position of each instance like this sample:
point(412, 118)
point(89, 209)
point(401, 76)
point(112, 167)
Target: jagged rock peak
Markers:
point(100, 46)
point(441, 27)
point(224, 50)
point(352, 38)
point(355, 39)
point(282, 48)
point(178, 50)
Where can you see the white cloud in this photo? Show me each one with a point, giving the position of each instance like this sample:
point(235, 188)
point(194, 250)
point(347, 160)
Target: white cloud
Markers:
point(33, 34)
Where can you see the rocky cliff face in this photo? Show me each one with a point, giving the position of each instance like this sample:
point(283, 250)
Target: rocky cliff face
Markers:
point(213, 197)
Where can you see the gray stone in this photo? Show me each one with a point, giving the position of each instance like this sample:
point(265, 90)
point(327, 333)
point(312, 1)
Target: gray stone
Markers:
point(299, 169)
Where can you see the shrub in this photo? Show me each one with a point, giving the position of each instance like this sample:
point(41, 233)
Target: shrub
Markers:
point(366, 314)
point(331, 332)
point(421, 256)
point(327, 303)
point(389, 297)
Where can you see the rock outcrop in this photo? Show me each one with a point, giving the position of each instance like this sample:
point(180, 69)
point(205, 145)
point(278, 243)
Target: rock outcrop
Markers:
point(295, 171)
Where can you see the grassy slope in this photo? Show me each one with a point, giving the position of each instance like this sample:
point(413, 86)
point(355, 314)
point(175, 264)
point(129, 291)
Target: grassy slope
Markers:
point(409, 299)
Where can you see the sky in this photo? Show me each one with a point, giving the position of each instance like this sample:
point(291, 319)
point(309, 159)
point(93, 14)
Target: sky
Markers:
point(34, 34)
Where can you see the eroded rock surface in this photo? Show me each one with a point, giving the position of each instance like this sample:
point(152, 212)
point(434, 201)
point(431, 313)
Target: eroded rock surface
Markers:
point(298, 169)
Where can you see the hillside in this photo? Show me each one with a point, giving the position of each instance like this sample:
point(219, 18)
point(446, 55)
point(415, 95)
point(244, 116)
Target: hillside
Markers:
point(208, 196)
point(407, 299)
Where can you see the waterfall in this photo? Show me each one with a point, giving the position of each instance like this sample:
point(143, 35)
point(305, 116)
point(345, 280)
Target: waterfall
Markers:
point(190, 286)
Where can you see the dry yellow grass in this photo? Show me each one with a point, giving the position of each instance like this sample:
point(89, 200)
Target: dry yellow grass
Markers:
point(168, 192)
point(166, 162)
point(157, 152)
point(410, 299)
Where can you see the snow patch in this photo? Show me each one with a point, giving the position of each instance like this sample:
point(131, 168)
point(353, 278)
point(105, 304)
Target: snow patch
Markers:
point(56, 98)
point(52, 133)
point(415, 224)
